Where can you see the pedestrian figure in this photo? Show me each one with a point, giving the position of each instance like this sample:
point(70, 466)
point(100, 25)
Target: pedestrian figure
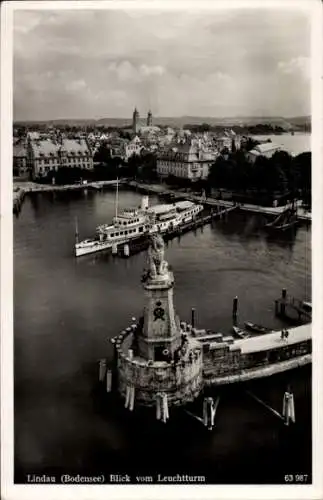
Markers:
point(282, 335)
point(286, 334)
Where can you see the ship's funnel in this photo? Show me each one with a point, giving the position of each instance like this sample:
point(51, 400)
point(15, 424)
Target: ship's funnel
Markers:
point(144, 202)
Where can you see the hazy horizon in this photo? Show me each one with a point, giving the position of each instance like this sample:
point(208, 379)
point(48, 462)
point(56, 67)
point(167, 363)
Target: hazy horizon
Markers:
point(161, 117)
point(220, 64)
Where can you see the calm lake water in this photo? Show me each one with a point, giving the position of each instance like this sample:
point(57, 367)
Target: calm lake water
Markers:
point(294, 144)
point(65, 310)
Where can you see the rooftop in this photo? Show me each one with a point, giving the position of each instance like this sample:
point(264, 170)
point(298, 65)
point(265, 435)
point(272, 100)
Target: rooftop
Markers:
point(265, 148)
point(19, 150)
point(184, 205)
point(47, 147)
point(160, 209)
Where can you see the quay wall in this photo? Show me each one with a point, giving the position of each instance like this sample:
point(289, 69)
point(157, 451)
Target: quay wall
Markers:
point(259, 372)
point(182, 382)
point(227, 365)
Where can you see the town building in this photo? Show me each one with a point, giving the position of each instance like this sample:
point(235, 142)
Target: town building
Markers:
point(228, 140)
point(266, 149)
point(20, 167)
point(133, 147)
point(44, 156)
point(186, 160)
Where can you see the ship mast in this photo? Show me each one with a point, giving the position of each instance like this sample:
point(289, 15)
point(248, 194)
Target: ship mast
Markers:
point(117, 195)
point(76, 231)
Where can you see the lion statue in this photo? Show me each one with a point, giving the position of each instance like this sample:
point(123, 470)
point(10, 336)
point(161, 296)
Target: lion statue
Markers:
point(157, 265)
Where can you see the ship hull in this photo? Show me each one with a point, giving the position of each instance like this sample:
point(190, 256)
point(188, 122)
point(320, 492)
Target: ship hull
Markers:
point(88, 250)
point(100, 246)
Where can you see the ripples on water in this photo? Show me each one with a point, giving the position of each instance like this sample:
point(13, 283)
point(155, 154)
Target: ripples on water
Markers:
point(65, 309)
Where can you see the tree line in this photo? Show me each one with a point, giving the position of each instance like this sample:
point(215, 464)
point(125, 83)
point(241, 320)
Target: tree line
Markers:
point(258, 129)
point(266, 178)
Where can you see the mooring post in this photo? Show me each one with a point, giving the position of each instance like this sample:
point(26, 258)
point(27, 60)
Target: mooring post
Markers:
point(109, 381)
point(288, 407)
point(193, 317)
point(235, 307)
point(276, 307)
point(126, 250)
point(102, 369)
point(114, 382)
point(282, 304)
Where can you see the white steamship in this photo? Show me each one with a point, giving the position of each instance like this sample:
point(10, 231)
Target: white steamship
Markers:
point(132, 223)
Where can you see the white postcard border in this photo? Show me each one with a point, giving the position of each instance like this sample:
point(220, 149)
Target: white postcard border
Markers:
point(21, 492)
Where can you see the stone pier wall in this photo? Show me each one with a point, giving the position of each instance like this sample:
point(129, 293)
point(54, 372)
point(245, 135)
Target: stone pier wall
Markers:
point(182, 381)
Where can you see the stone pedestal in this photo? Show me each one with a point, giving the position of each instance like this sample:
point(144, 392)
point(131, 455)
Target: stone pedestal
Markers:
point(164, 359)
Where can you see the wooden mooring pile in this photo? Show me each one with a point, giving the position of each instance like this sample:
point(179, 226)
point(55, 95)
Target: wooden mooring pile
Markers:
point(287, 307)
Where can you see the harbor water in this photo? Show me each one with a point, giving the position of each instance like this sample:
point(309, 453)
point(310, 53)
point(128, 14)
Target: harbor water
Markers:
point(66, 309)
point(295, 144)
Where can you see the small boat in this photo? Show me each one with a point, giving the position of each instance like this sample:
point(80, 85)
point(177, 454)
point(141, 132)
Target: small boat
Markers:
point(256, 328)
point(288, 225)
point(307, 306)
point(285, 220)
point(240, 332)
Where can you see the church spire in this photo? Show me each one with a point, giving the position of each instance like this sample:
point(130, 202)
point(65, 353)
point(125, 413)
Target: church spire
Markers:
point(135, 121)
point(149, 119)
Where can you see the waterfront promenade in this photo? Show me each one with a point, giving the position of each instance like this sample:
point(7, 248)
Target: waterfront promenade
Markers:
point(160, 189)
point(21, 188)
point(35, 187)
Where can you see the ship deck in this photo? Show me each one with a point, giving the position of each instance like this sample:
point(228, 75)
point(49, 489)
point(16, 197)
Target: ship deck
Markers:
point(273, 340)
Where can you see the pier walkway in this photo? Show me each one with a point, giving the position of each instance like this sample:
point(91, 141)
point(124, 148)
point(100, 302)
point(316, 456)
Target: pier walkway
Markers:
point(35, 187)
point(20, 188)
point(213, 202)
point(273, 340)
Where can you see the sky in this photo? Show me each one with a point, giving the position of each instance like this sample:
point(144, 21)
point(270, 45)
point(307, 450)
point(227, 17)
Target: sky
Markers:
point(103, 63)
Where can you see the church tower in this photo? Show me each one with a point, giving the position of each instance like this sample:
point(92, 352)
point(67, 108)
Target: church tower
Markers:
point(149, 119)
point(135, 121)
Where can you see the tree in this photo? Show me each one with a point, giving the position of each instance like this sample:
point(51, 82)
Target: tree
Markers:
point(103, 154)
point(148, 166)
point(301, 165)
point(281, 163)
point(249, 144)
point(205, 127)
